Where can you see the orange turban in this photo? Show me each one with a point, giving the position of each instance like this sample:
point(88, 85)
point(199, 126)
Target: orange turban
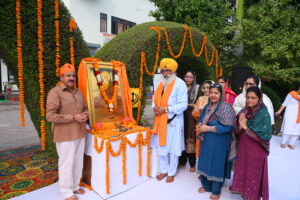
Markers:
point(66, 68)
point(168, 63)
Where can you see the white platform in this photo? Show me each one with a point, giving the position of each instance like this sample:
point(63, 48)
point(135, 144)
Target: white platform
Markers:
point(284, 183)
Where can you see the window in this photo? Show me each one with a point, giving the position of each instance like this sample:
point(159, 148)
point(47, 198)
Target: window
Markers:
point(119, 25)
point(103, 23)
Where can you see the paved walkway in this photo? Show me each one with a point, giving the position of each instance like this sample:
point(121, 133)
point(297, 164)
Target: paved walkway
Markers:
point(12, 135)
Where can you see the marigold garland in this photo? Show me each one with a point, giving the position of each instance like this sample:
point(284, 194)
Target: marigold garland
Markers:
point(41, 72)
point(57, 41)
point(72, 28)
point(20, 62)
point(107, 100)
point(140, 141)
point(187, 33)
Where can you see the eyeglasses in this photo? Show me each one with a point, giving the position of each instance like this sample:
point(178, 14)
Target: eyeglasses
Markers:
point(191, 77)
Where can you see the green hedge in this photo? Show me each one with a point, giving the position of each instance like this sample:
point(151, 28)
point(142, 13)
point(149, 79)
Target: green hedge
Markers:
point(8, 50)
point(273, 96)
point(127, 46)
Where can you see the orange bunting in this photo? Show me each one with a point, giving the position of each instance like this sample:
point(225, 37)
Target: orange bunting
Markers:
point(20, 63)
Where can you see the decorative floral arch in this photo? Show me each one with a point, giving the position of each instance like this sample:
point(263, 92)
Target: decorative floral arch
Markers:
point(144, 45)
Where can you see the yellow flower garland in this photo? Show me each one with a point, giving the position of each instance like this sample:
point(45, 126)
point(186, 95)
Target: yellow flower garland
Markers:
point(41, 72)
point(20, 62)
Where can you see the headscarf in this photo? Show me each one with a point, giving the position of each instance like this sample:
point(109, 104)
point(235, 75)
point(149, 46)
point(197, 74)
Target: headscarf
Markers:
point(223, 112)
point(194, 91)
point(168, 63)
point(259, 120)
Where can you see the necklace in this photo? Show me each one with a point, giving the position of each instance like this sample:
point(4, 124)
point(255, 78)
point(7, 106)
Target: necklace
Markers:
point(107, 100)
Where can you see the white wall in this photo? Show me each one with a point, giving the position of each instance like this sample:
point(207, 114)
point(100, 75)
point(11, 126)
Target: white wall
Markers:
point(4, 77)
point(4, 74)
point(87, 14)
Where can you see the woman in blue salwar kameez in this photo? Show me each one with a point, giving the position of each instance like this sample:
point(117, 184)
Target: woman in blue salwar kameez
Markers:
point(215, 125)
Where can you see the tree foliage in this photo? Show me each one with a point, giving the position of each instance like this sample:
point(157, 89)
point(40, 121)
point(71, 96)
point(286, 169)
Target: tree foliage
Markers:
point(271, 39)
point(214, 18)
point(8, 50)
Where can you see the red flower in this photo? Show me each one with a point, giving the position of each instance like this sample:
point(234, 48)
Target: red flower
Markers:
point(115, 71)
point(115, 82)
point(97, 72)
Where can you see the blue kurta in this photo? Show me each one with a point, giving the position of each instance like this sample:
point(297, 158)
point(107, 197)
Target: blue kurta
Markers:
point(214, 151)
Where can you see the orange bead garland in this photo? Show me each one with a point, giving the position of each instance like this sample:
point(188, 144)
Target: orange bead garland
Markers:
point(20, 62)
point(57, 41)
point(72, 28)
point(41, 73)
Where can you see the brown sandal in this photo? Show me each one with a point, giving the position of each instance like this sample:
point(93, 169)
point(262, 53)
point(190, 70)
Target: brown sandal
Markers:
point(79, 191)
point(201, 190)
point(214, 197)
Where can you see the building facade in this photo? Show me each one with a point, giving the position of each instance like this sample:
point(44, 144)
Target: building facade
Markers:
point(99, 21)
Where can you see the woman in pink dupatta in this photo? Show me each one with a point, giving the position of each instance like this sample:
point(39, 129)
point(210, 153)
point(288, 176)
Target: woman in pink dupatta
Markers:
point(254, 127)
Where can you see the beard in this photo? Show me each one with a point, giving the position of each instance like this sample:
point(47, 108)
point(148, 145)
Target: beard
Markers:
point(166, 80)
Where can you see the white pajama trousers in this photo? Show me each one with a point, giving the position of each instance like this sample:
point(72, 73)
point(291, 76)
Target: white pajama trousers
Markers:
point(168, 164)
point(70, 164)
point(292, 139)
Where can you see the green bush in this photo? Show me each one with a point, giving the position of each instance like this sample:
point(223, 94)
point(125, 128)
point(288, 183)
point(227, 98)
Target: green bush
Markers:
point(8, 51)
point(273, 96)
point(127, 46)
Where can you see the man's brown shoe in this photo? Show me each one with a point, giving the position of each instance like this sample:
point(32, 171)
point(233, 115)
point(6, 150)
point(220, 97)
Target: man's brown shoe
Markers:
point(161, 176)
point(170, 179)
point(73, 197)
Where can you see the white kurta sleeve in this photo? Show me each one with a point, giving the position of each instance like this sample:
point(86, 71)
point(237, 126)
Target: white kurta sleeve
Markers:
point(269, 106)
point(181, 99)
point(287, 100)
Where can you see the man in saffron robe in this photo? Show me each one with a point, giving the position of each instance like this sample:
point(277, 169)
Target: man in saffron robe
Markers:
point(169, 103)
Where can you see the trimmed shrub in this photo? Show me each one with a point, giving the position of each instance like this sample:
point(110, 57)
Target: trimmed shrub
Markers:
point(8, 51)
point(127, 46)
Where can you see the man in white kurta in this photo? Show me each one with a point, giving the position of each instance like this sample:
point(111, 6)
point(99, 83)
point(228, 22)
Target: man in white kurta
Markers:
point(291, 124)
point(170, 151)
point(240, 100)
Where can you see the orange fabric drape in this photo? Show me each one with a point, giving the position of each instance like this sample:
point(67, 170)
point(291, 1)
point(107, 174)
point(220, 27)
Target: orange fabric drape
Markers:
point(295, 95)
point(160, 122)
point(82, 79)
point(127, 104)
point(82, 84)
